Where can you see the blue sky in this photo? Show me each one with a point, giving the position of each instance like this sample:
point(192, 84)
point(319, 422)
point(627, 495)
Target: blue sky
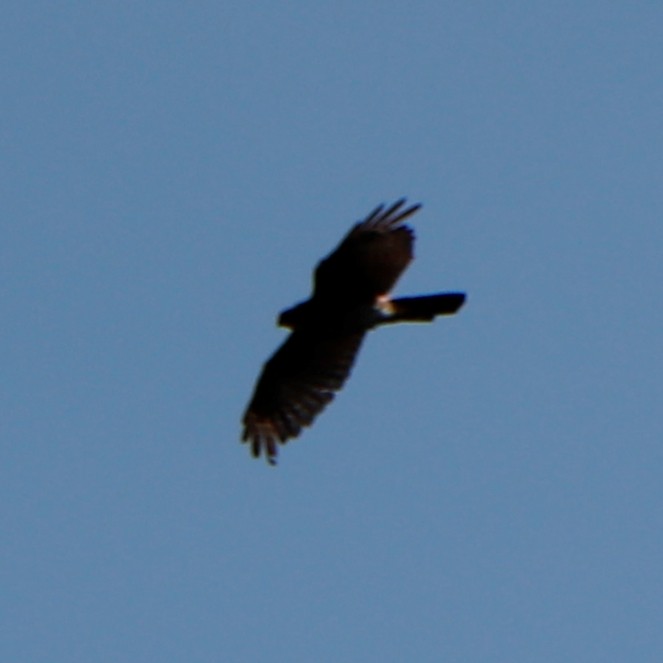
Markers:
point(487, 488)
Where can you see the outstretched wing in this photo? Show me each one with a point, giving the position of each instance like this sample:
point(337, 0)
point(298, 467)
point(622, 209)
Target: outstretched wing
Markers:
point(295, 386)
point(369, 260)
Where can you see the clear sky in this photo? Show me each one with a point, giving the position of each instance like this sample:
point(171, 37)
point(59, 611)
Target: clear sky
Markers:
point(486, 488)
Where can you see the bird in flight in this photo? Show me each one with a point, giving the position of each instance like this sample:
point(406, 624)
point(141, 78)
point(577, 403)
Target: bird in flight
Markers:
point(350, 297)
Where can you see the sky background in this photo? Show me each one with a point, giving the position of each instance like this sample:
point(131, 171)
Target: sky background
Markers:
point(486, 488)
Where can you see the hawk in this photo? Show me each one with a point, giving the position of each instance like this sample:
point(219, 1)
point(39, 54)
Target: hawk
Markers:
point(350, 297)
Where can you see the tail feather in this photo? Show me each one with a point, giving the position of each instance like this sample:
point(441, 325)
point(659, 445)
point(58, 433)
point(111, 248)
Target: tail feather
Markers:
point(425, 307)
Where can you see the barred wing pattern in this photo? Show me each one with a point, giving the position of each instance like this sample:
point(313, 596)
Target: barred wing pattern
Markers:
point(295, 386)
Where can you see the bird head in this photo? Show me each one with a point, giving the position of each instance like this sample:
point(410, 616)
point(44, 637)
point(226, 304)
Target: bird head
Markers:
point(296, 316)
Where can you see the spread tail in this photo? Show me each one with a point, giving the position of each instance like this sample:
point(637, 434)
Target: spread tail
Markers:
point(425, 307)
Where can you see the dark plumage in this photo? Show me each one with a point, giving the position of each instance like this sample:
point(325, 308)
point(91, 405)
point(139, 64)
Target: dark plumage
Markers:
point(350, 297)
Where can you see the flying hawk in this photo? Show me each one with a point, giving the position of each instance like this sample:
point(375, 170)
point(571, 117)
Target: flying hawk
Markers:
point(350, 297)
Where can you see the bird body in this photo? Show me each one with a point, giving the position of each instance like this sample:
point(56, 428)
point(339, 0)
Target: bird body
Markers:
point(350, 297)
